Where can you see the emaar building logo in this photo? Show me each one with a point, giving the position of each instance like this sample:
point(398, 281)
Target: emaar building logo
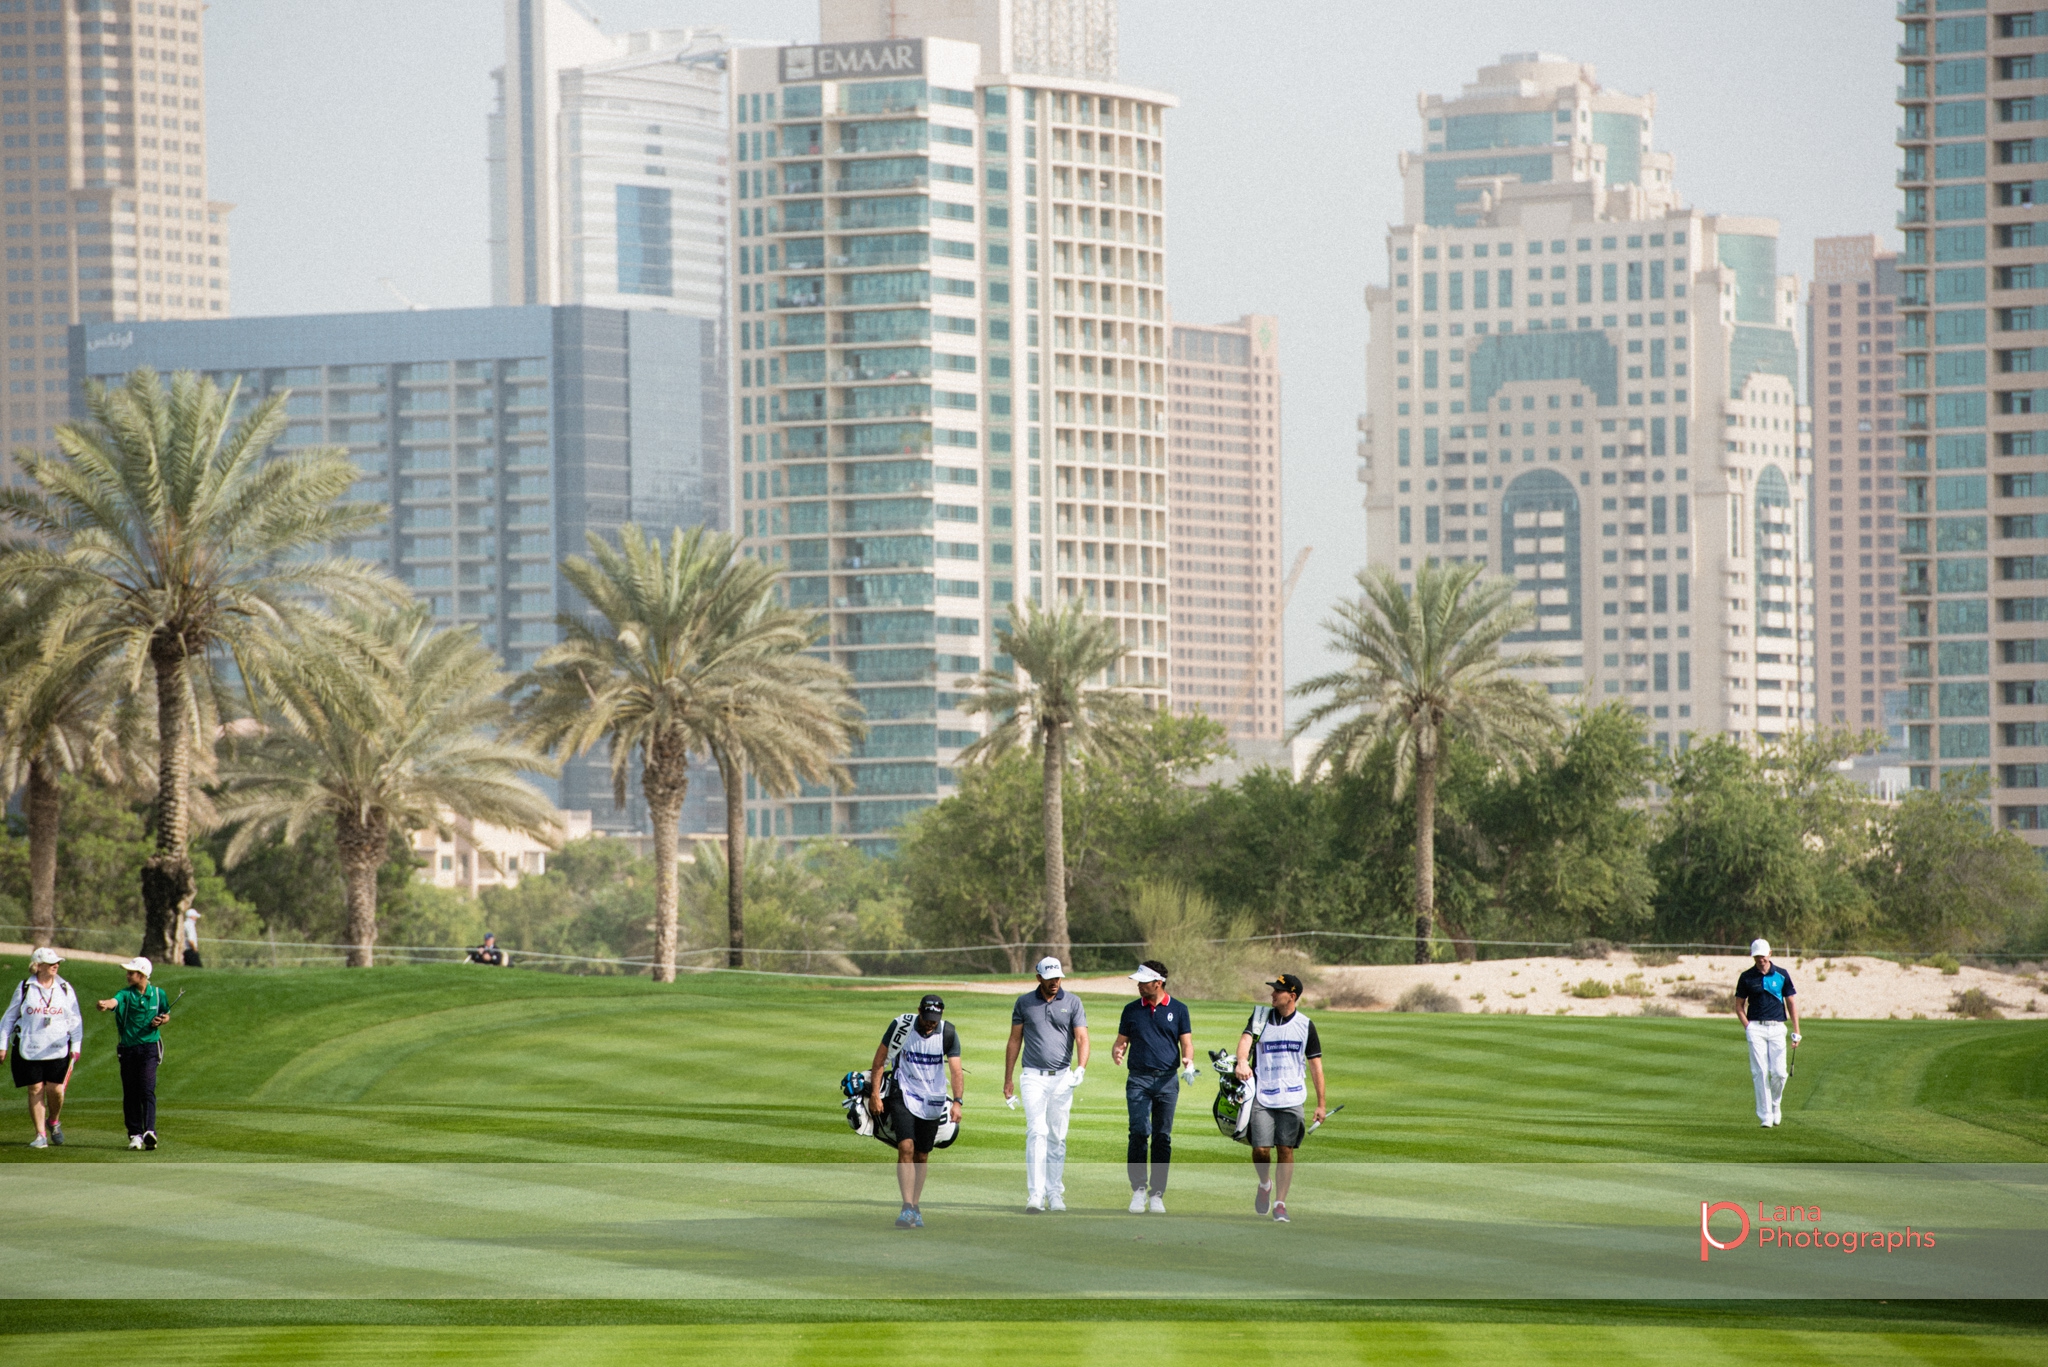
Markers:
point(111, 341)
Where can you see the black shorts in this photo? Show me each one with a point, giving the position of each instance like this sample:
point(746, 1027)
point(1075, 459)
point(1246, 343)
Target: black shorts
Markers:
point(907, 1124)
point(33, 1070)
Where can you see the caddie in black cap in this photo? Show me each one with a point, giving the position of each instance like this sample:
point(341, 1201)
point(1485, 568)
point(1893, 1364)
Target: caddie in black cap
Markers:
point(1280, 1055)
point(917, 1080)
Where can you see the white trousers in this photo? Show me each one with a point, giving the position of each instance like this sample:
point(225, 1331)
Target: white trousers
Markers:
point(1767, 1066)
point(1048, 1102)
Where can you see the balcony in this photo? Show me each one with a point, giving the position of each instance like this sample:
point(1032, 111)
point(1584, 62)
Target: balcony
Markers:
point(873, 184)
point(855, 413)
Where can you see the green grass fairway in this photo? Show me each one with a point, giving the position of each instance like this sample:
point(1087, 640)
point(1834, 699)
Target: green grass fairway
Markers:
point(551, 1146)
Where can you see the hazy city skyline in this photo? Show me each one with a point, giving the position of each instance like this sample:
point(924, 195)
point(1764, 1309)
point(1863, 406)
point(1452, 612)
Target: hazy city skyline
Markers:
point(1294, 145)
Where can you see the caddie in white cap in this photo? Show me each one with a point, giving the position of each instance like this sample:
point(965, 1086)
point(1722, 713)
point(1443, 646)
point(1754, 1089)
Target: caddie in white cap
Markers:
point(1764, 997)
point(44, 1009)
point(1049, 1027)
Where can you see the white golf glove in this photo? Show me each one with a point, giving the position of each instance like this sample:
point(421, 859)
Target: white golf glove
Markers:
point(1795, 1038)
point(1189, 1075)
point(1010, 1101)
point(1079, 1076)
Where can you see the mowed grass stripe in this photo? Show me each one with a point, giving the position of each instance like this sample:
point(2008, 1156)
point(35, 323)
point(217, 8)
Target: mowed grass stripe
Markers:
point(1396, 1343)
point(452, 1063)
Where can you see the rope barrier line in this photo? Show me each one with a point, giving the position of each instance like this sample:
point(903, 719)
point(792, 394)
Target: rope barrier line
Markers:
point(287, 949)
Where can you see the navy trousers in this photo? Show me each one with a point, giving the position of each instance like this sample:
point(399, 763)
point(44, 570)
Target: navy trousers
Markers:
point(138, 1086)
point(1151, 1098)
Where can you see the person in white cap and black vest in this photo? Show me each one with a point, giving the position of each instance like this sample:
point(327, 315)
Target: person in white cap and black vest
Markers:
point(1157, 1035)
point(1049, 1027)
point(140, 1009)
point(44, 1008)
point(1764, 999)
point(1280, 1053)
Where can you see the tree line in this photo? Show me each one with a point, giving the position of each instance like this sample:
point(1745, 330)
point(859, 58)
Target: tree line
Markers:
point(196, 695)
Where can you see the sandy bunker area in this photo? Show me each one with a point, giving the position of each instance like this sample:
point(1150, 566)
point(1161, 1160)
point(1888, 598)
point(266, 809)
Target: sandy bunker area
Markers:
point(1849, 988)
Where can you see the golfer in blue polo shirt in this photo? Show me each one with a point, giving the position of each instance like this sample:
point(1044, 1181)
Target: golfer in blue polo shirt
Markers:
point(1764, 997)
point(1158, 1038)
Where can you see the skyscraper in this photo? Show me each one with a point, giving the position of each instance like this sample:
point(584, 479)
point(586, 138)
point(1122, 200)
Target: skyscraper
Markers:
point(608, 164)
point(103, 140)
point(950, 298)
point(1223, 453)
point(1851, 320)
point(1577, 381)
point(1970, 338)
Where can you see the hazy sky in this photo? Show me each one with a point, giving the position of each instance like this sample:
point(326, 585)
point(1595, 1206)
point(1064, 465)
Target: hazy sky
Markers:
point(352, 138)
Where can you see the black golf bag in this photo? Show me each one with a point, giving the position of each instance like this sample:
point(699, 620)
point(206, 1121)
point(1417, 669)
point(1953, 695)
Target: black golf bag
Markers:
point(862, 1121)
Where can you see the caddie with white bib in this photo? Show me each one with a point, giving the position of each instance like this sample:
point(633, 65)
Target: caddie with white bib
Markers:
point(1279, 1053)
point(1049, 1029)
point(44, 1012)
point(915, 1086)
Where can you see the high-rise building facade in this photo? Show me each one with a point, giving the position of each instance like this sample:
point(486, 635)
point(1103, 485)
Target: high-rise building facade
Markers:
point(1223, 459)
point(1852, 379)
point(949, 297)
point(608, 164)
point(1973, 331)
point(1577, 381)
point(103, 149)
point(498, 438)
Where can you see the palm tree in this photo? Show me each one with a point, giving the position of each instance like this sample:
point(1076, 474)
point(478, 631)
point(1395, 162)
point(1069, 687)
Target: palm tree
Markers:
point(177, 547)
point(1420, 667)
point(677, 629)
point(402, 745)
point(784, 724)
point(59, 713)
point(1059, 710)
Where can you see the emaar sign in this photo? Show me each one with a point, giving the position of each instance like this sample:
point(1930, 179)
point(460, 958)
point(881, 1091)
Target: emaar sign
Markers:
point(111, 341)
point(840, 61)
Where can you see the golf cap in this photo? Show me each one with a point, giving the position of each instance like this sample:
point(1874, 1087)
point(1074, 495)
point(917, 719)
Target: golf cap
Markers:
point(46, 955)
point(1148, 974)
point(1049, 967)
point(1759, 949)
point(932, 1005)
point(138, 964)
point(1287, 982)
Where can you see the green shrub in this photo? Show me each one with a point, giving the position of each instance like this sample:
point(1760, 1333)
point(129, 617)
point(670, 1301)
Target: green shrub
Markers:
point(1659, 1009)
point(1723, 1005)
point(1591, 949)
point(1592, 987)
point(1976, 1004)
point(1634, 986)
point(1946, 963)
point(1655, 958)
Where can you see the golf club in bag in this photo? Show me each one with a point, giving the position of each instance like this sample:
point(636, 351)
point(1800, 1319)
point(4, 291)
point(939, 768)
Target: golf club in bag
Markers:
point(1232, 1108)
point(853, 1090)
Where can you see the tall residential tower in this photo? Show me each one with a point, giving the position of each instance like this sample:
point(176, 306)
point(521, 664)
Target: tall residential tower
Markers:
point(103, 130)
point(1223, 447)
point(1577, 381)
point(949, 293)
point(1973, 333)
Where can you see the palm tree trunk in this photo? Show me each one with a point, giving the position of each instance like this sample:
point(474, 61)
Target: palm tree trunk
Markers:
point(1056, 847)
point(362, 844)
point(665, 779)
point(167, 882)
point(734, 779)
point(45, 807)
point(1425, 854)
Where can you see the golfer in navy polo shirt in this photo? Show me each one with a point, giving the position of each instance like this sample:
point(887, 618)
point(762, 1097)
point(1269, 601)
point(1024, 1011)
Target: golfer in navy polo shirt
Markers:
point(1157, 1036)
point(1764, 997)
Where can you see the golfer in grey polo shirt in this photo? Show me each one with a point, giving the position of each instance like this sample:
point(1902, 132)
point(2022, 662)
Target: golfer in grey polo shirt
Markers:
point(1049, 1028)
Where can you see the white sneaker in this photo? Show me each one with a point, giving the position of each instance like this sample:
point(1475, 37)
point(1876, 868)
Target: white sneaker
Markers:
point(1056, 1204)
point(1034, 1206)
point(1157, 1205)
point(1138, 1201)
point(39, 1142)
point(135, 1141)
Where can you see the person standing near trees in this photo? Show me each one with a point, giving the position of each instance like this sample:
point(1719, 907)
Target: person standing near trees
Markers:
point(918, 1057)
point(45, 1010)
point(140, 1010)
point(1157, 1036)
point(1764, 996)
point(1049, 1028)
